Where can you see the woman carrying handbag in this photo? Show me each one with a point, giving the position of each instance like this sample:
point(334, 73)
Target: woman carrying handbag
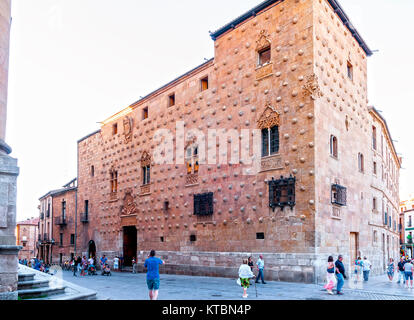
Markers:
point(245, 274)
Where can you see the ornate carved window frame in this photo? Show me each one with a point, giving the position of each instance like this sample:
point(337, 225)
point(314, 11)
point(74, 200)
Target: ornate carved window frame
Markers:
point(269, 120)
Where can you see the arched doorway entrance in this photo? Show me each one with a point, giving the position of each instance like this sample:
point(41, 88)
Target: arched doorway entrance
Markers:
point(91, 249)
point(130, 244)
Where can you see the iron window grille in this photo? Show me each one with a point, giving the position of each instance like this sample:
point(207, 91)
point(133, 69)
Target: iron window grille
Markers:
point(282, 193)
point(203, 204)
point(338, 195)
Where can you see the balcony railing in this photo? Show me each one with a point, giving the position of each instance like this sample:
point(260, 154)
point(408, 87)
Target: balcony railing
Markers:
point(85, 217)
point(61, 221)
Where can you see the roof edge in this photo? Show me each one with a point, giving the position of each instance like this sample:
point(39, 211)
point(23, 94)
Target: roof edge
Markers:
point(89, 135)
point(253, 12)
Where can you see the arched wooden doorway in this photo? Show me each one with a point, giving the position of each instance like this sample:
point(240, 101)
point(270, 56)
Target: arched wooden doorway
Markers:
point(130, 244)
point(91, 249)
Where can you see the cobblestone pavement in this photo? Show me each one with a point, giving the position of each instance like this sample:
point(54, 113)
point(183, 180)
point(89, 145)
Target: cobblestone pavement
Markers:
point(128, 286)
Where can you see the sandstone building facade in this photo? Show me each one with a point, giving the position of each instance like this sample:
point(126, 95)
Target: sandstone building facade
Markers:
point(27, 236)
point(288, 85)
point(57, 215)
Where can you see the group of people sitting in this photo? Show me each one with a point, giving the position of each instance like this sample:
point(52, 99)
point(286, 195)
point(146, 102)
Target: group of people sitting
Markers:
point(83, 265)
point(35, 263)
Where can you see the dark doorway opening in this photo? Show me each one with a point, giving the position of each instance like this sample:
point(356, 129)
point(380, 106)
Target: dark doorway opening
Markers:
point(92, 249)
point(130, 245)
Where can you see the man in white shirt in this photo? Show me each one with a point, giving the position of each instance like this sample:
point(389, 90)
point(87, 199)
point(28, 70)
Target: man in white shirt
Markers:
point(366, 268)
point(260, 268)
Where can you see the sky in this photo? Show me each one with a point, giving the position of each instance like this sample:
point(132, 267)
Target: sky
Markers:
point(75, 63)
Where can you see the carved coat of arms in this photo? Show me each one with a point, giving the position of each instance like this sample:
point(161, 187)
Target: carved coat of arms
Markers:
point(311, 87)
point(129, 207)
point(128, 125)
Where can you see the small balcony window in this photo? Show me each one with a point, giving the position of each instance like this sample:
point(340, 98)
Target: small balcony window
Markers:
point(171, 100)
point(204, 84)
point(145, 113)
point(350, 70)
point(264, 56)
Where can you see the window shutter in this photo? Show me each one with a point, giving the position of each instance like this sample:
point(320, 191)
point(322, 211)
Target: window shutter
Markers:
point(265, 142)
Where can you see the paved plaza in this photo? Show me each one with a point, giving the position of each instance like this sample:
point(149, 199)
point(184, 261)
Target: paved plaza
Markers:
point(128, 286)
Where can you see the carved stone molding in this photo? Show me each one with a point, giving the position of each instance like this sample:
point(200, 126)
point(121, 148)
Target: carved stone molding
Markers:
point(264, 71)
point(272, 163)
point(263, 41)
point(145, 189)
point(312, 87)
point(145, 159)
point(269, 118)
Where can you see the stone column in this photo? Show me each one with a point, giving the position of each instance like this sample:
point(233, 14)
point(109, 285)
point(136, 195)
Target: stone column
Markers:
point(8, 174)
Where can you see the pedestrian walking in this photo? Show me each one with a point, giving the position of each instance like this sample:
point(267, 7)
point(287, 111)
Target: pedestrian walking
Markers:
point(401, 273)
point(74, 267)
point(116, 263)
point(340, 274)
point(134, 265)
point(366, 268)
point(260, 268)
point(121, 262)
point(245, 274)
point(331, 281)
point(408, 269)
point(79, 263)
point(153, 274)
point(358, 269)
point(391, 269)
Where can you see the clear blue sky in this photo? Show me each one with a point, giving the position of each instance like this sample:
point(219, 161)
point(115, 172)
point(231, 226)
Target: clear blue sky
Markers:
point(74, 63)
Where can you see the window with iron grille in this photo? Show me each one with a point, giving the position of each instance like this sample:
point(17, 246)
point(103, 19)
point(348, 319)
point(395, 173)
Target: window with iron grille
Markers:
point(203, 204)
point(338, 195)
point(282, 193)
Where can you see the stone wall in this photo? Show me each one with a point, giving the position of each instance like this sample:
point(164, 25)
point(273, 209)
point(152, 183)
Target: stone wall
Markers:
point(342, 111)
point(8, 249)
